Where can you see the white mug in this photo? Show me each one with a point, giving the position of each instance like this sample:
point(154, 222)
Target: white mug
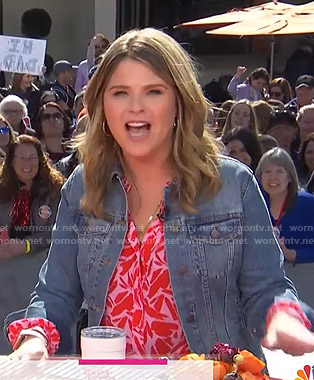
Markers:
point(103, 342)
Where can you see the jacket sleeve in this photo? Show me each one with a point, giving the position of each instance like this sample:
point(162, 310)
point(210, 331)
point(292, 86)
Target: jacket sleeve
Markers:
point(261, 281)
point(58, 295)
point(232, 86)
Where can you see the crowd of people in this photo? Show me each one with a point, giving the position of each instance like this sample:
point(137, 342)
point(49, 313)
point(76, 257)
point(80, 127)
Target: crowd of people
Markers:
point(154, 160)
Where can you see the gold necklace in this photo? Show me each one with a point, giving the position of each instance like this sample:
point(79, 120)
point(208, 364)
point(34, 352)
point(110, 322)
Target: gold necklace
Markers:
point(141, 231)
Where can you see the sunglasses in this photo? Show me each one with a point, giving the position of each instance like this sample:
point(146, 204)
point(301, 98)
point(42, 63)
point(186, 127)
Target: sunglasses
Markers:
point(276, 94)
point(52, 116)
point(4, 130)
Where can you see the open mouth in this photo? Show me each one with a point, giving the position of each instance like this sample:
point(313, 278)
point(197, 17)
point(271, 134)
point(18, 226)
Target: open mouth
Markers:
point(138, 129)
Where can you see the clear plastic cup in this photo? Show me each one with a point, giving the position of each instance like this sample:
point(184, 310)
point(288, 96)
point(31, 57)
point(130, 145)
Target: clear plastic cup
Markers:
point(103, 342)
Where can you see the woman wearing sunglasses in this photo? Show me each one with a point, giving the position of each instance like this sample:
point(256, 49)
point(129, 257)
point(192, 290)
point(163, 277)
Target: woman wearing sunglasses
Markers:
point(279, 89)
point(52, 130)
point(7, 135)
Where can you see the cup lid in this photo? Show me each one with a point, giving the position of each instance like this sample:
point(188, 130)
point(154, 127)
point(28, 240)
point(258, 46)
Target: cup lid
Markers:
point(101, 332)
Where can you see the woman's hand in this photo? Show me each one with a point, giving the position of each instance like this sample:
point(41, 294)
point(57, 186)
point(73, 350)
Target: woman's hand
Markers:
point(31, 348)
point(240, 71)
point(11, 248)
point(289, 334)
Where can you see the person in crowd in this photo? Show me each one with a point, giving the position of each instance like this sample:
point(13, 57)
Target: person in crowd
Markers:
point(285, 129)
point(97, 46)
point(304, 89)
point(305, 164)
point(151, 173)
point(14, 110)
point(48, 96)
point(241, 115)
point(291, 213)
point(305, 118)
point(221, 116)
point(67, 164)
point(29, 197)
point(279, 89)
point(63, 72)
point(267, 143)
point(262, 111)
point(241, 143)
point(53, 130)
point(7, 135)
point(23, 86)
point(254, 88)
point(78, 103)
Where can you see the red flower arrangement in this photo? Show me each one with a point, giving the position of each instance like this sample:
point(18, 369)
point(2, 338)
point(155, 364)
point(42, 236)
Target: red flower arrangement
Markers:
point(230, 363)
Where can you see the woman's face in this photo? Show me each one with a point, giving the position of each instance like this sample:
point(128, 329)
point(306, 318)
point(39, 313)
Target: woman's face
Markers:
point(306, 123)
point(237, 150)
point(140, 111)
point(52, 122)
point(285, 134)
point(276, 92)
point(13, 112)
point(275, 179)
point(4, 135)
point(241, 116)
point(258, 84)
point(26, 80)
point(26, 163)
point(309, 155)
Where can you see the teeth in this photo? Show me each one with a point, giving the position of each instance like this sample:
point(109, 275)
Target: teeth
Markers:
point(27, 170)
point(137, 124)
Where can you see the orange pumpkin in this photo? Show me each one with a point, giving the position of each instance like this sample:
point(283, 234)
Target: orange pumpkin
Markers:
point(220, 370)
point(250, 364)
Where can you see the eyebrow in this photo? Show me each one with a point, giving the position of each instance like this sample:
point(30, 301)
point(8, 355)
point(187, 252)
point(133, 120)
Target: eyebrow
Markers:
point(147, 87)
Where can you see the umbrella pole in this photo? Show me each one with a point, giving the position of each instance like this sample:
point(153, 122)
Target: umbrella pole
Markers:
point(272, 54)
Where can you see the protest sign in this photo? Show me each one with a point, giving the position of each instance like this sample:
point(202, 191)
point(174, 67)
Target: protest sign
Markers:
point(22, 55)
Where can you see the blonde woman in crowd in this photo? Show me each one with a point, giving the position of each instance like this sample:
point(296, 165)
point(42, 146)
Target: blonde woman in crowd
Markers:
point(241, 114)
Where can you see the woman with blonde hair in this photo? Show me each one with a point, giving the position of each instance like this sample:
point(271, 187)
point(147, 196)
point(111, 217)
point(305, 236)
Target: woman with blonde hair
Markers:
point(157, 247)
point(241, 114)
point(291, 214)
point(279, 89)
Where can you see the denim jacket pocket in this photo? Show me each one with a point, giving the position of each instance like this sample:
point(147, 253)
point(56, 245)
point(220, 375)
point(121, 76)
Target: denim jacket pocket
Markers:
point(91, 234)
point(214, 245)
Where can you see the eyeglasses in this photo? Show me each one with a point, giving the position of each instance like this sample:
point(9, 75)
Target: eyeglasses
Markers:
point(30, 158)
point(4, 130)
point(52, 117)
point(276, 94)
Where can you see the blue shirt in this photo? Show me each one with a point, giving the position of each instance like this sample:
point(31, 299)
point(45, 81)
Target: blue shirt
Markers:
point(297, 227)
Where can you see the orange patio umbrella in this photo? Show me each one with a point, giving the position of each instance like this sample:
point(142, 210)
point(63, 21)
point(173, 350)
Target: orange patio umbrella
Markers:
point(238, 15)
point(273, 21)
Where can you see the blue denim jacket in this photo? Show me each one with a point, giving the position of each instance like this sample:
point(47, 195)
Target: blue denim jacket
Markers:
point(224, 263)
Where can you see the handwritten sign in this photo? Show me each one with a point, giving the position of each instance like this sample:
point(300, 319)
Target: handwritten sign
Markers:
point(22, 55)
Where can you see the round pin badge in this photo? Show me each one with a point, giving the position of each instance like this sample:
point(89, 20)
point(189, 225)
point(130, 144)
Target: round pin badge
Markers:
point(44, 212)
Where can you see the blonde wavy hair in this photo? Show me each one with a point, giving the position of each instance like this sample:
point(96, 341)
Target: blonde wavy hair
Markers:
point(194, 155)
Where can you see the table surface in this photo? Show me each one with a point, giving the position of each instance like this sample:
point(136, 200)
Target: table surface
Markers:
point(280, 365)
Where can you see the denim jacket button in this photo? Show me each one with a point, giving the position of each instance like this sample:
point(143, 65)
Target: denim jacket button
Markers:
point(215, 233)
point(254, 331)
point(190, 318)
point(182, 269)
